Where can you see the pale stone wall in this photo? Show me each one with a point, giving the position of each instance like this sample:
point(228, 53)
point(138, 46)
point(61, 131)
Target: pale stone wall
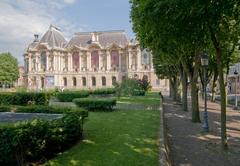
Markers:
point(59, 65)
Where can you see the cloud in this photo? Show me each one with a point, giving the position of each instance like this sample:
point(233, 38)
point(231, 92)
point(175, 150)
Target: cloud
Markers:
point(21, 19)
point(69, 1)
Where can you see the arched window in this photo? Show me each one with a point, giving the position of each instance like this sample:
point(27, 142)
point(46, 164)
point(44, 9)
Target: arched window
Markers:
point(43, 59)
point(103, 81)
point(93, 81)
point(114, 59)
point(74, 81)
point(64, 81)
point(84, 82)
point(114, 80)
point(94, 59)
point(75, 61)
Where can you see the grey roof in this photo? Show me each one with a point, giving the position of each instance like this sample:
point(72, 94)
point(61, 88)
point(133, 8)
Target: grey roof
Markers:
point(106, 38)
point(53, 37)
point(33, 45)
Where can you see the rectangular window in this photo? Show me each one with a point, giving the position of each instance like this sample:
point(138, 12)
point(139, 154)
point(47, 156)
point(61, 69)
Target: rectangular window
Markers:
point(157, 82)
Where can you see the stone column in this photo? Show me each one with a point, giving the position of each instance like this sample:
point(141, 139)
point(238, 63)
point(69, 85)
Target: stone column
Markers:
point(130, 59)
point(47, 60)
point(139, 59)
point(108, 60)
point(38, 62)
point(59, 62)
point(80, 60)
point(120, 60)
point(101, 60)
point(89, 68)
point(69, 61)
point(30, 62)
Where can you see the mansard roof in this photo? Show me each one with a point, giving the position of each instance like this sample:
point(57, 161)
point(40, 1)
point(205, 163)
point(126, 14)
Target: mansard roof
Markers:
point(105, 38)
point(53, 37)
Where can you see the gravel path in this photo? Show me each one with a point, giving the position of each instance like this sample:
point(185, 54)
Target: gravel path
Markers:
point(191, 147)
point(9, 117)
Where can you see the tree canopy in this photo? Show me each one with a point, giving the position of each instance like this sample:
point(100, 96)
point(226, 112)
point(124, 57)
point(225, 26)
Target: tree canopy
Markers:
point(181, 30)
point(8, 68)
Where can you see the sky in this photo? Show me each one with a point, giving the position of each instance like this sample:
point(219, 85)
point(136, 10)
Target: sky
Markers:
point(21, 19)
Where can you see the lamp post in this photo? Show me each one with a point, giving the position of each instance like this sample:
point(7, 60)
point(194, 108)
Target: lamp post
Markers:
point(204, 63)
point(236, 99)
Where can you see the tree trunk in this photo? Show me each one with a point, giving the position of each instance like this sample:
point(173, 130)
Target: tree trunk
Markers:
point(213, 90)
point(173, 88)
point(194, 91)
point(223, 99)
point(184, 91)
point(170, 88)
point(194, 102)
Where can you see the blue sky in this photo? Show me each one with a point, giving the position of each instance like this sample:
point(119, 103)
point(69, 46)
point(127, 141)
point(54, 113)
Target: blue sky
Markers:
point(20, 19)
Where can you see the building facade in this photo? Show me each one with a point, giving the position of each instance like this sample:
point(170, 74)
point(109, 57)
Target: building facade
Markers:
point(89, 60)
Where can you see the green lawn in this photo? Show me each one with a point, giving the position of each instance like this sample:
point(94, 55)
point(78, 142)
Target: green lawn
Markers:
point(149, 98)
point(119, 138)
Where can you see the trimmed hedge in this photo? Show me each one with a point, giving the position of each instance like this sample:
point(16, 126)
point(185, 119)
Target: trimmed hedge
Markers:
point(95, 103)
point(44, 109)
point(36, 140)
point(24, 98)
point(138, 92)
point(104, 91)
point(68, 96)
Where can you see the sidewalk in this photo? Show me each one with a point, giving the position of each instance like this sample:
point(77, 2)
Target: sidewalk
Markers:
point(191, 147)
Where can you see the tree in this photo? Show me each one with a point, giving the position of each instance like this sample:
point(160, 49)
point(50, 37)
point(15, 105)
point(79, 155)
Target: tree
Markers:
point(161, 25)
point(190, 28)
point(8, 68)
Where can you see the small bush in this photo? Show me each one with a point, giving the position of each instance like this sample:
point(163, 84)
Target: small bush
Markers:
point(129, 87)
point(38, 139)
point(95, 104)
point(68, 96)
point(24, 98)
point(138, 92)
point(104, 91)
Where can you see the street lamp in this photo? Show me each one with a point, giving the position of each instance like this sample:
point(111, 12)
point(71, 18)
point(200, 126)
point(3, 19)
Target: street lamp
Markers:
point(236, 99)
point(204, 63)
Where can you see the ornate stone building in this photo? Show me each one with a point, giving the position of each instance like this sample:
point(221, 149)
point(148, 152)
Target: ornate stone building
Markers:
point(88, 60)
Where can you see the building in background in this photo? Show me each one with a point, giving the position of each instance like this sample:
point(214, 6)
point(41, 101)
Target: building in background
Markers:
point(234, 79)
point(22, 79)
point(88, 60)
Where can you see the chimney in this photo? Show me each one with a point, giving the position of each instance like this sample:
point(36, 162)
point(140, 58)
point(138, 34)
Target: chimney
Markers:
point(95, 37)
point(36, 38)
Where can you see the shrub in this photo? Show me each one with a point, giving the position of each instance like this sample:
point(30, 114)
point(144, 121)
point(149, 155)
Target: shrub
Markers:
point(138, 93)
point(144, 84)
point(38, 139)
point(104, 91)
point(129, 87)
point(68, 96)
point(95, 104)
point(24, 98)
point(44, 109)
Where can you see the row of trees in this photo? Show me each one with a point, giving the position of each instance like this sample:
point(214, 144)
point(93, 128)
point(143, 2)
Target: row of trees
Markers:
point(178, 32)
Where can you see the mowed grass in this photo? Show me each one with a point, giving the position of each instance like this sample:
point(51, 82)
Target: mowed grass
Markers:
point(149, 98)
point(118, 138)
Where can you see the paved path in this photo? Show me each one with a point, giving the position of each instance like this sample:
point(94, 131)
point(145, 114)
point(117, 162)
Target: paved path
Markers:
point(9, 117)
point(191, 147)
